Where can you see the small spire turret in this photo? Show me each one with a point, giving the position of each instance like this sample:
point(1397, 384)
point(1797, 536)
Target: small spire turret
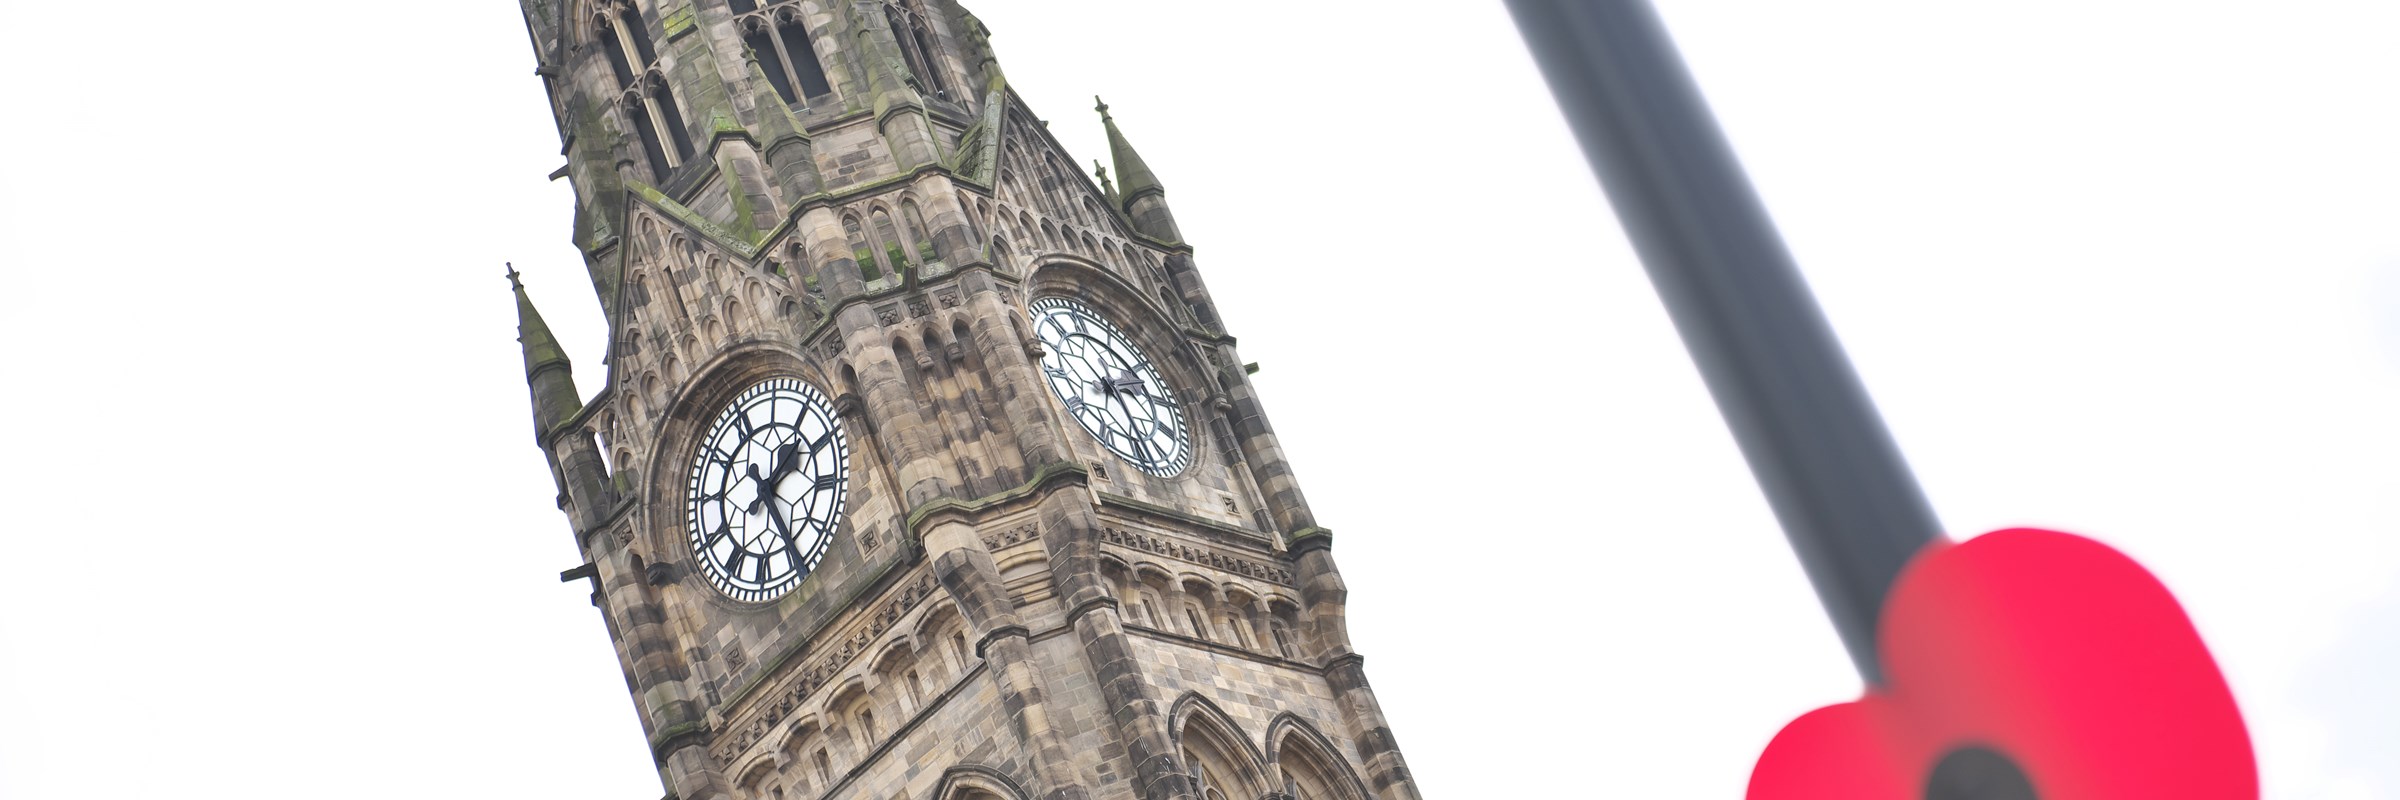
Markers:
point(1143, 199)
point(548, 373)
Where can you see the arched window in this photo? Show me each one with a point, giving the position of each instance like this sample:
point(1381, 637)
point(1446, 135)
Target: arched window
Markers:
point(785, 53)
point(861, 250)
point(1241, 633)
point(671, 117)
point(958, 646)
point(916, 688)
point(1308, 771)
point(1199, 623)
point(614, 46)
point(824, 764)
point(645, 128)
point(640, 35)
point(921, 236)
point(1138, 611)
point(867, 729)
point(889, 237)
point(651, 108)
point(1212, 753)
point(1148, 607)
point(1283, 639)
point(917, 47)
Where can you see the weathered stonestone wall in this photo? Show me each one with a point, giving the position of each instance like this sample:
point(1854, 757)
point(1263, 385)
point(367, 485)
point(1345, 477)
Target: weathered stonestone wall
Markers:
point(1006, 609)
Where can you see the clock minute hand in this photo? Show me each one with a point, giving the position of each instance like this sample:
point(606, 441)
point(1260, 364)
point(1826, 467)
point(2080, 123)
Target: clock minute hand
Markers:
point(782, 528)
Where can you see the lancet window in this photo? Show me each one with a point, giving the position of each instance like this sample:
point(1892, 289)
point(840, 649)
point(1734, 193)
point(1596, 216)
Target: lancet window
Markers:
point(861, 250)
point(921, 237)
point(890, 238)
point(642, 89)
point(917, 47)
point(778, 33)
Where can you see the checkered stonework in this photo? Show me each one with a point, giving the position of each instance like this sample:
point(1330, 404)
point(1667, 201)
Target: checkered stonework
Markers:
point(850, 195)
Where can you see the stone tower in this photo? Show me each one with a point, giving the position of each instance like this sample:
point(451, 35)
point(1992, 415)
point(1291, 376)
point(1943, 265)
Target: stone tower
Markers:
point(922, 466)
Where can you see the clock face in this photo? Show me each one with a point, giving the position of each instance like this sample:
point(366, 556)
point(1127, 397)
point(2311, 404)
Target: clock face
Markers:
point(766, 490)
point(1110, 388)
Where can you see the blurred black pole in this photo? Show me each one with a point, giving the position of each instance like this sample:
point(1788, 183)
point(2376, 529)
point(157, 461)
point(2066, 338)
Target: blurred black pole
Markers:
point(1820, 453)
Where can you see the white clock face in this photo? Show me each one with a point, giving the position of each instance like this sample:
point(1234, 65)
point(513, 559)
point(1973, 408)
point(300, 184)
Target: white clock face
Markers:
point(1110, 388)
point(766, 490)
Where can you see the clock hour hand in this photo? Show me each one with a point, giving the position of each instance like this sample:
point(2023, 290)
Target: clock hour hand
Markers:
point(787, 458)
point(1122, 384)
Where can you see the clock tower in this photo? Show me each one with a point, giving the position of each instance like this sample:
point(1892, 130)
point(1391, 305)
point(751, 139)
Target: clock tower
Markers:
point(920, 465)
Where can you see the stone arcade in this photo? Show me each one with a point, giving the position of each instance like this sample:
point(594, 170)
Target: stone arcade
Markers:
point(922, 467)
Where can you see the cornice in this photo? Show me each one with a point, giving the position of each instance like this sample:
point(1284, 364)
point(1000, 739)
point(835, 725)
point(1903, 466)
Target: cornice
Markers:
point(1307, 539)
point(1043, 481)
point(1246, 535)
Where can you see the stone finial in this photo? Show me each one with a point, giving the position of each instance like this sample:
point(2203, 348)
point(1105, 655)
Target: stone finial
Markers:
point(1106, 188)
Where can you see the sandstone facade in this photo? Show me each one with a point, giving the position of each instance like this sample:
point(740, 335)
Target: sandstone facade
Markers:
point(850, 194)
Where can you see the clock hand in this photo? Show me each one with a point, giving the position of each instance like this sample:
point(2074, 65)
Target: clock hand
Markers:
point(786, 460)
point(782, 529)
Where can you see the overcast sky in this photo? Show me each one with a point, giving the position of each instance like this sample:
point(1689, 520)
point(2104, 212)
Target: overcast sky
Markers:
point(275, 525)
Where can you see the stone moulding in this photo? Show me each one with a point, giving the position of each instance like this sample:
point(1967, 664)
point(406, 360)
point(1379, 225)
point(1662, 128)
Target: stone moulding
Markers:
point(1133, 540)
point(797, 685)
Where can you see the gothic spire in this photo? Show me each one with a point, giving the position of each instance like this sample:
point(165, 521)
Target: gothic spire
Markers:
point(548, 373)
point(1143, 198)
point(1130, 168)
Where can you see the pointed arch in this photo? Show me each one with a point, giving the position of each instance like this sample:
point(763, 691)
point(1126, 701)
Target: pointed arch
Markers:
point(1306, 763)
point(1215, 751)
point(977, 782)
point(917, 47)
point(779, 35)
point(887, 237)
point(920, 236)
point(861, 250)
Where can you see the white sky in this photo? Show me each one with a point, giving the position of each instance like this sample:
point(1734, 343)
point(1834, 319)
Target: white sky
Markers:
point(275, 526)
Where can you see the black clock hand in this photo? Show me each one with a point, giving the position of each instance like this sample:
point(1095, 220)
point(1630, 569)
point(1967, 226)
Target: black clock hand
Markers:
point(786, 460)
point(782, 529)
